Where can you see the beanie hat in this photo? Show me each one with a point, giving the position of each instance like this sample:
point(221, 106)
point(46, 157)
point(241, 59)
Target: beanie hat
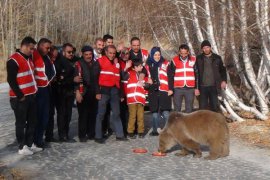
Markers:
point(205, 43)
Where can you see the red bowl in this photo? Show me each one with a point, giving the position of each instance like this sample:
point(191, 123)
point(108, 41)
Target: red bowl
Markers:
point(140, 150)
point(158, 154)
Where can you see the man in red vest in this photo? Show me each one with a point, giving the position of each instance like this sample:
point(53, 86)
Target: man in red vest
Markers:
point(136, 52)
point(107, 73)
point(22, 93)
point(44, 73)
point(185, 79)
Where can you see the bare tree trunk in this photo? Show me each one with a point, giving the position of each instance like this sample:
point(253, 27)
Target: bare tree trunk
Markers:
point(210, 28)
point(185, 29)
point(196, 21)
point(246, 58)
point(239, 69)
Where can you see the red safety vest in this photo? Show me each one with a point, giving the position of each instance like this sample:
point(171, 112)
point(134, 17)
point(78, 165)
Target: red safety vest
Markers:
point(162, 75)
point(144, 54)
point(109, 73)
point(80, 73)
point(25, 77)
point(135, 93)
point(40, 75)
point(184, 72)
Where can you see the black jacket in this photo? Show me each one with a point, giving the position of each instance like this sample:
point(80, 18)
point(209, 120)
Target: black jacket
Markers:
point(88, 76)
point(65, 73)
point(218, 69)
point(159, 99)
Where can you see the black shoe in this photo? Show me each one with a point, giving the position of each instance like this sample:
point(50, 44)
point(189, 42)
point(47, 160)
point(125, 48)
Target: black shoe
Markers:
point(84, 139)
point(121, 139)
point(51, 140)
point(141, 135)
point(62, 139)
point(131, 136)
point(91, 138)
point(100, 141)
point(153, 133)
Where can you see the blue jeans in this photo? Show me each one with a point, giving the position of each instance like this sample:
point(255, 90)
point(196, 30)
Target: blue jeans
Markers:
point(113, 99)
point(156, 119)
point(43, 106)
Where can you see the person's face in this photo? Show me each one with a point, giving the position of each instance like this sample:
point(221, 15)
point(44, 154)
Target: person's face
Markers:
point(110, 53)
point(125, 55)
point(207, 50)
point(68, 52)
point(44, 48)
point(109, 42)
point(87, 56)
point(157, 56)
point(183, 53)
point(138, 68)
point(54, 54)
point(28, 49)
point(99, 46)
point(135, 46)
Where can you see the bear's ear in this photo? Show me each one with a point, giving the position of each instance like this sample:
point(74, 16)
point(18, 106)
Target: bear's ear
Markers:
point(159, 130)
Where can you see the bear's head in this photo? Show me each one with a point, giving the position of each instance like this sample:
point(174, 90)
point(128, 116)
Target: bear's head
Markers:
point(166, 141)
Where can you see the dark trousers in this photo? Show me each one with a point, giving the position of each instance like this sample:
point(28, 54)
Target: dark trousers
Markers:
point(87, 110)
point(43, 106)
point(208, 98)
point(106, 123)
point(64, 114)
point(113, 99)
point(53, 105)
point(124, 115)
point(26, 118)
point(188, 94)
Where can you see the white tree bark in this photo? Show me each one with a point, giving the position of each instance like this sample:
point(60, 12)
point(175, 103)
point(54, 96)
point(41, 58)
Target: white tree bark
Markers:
point(210, 28)
point(238, 103)
point(196, 21)
point(224, 26)
point(246, 58)
point(239, 69)
point(185, 29)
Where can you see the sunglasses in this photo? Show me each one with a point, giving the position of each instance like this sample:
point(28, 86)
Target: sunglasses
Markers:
point(70, 52)
point(125, 52)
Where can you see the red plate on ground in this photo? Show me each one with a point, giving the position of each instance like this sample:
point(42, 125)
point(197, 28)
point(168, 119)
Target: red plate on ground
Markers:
point(140, 150)
point(158, 154)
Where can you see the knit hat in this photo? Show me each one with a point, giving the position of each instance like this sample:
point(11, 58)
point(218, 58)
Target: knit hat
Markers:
point(87, 48)
point(205, 43)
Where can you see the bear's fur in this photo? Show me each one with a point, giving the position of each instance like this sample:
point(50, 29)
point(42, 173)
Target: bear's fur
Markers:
point(201, 127)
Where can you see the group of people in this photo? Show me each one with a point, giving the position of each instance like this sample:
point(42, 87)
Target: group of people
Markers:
point(111, 86)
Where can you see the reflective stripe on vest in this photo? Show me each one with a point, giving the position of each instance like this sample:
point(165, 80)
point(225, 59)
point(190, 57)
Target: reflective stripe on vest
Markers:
point(40, 75)
point(162, 75)
point(184, 72)
point(25, 77)
point(109, 73)
point(135, 92)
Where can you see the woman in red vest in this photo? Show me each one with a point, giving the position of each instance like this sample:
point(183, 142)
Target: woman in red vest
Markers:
point(161, 89)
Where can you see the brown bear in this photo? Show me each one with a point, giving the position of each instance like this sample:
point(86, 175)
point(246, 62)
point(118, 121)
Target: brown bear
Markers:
point(201, 127)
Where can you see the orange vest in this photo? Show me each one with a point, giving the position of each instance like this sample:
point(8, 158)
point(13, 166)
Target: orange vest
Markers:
point(184, 72)
point(40, 75)
point(25, 77)
point(109, 73)
point(135, 93)
point(162, 76)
